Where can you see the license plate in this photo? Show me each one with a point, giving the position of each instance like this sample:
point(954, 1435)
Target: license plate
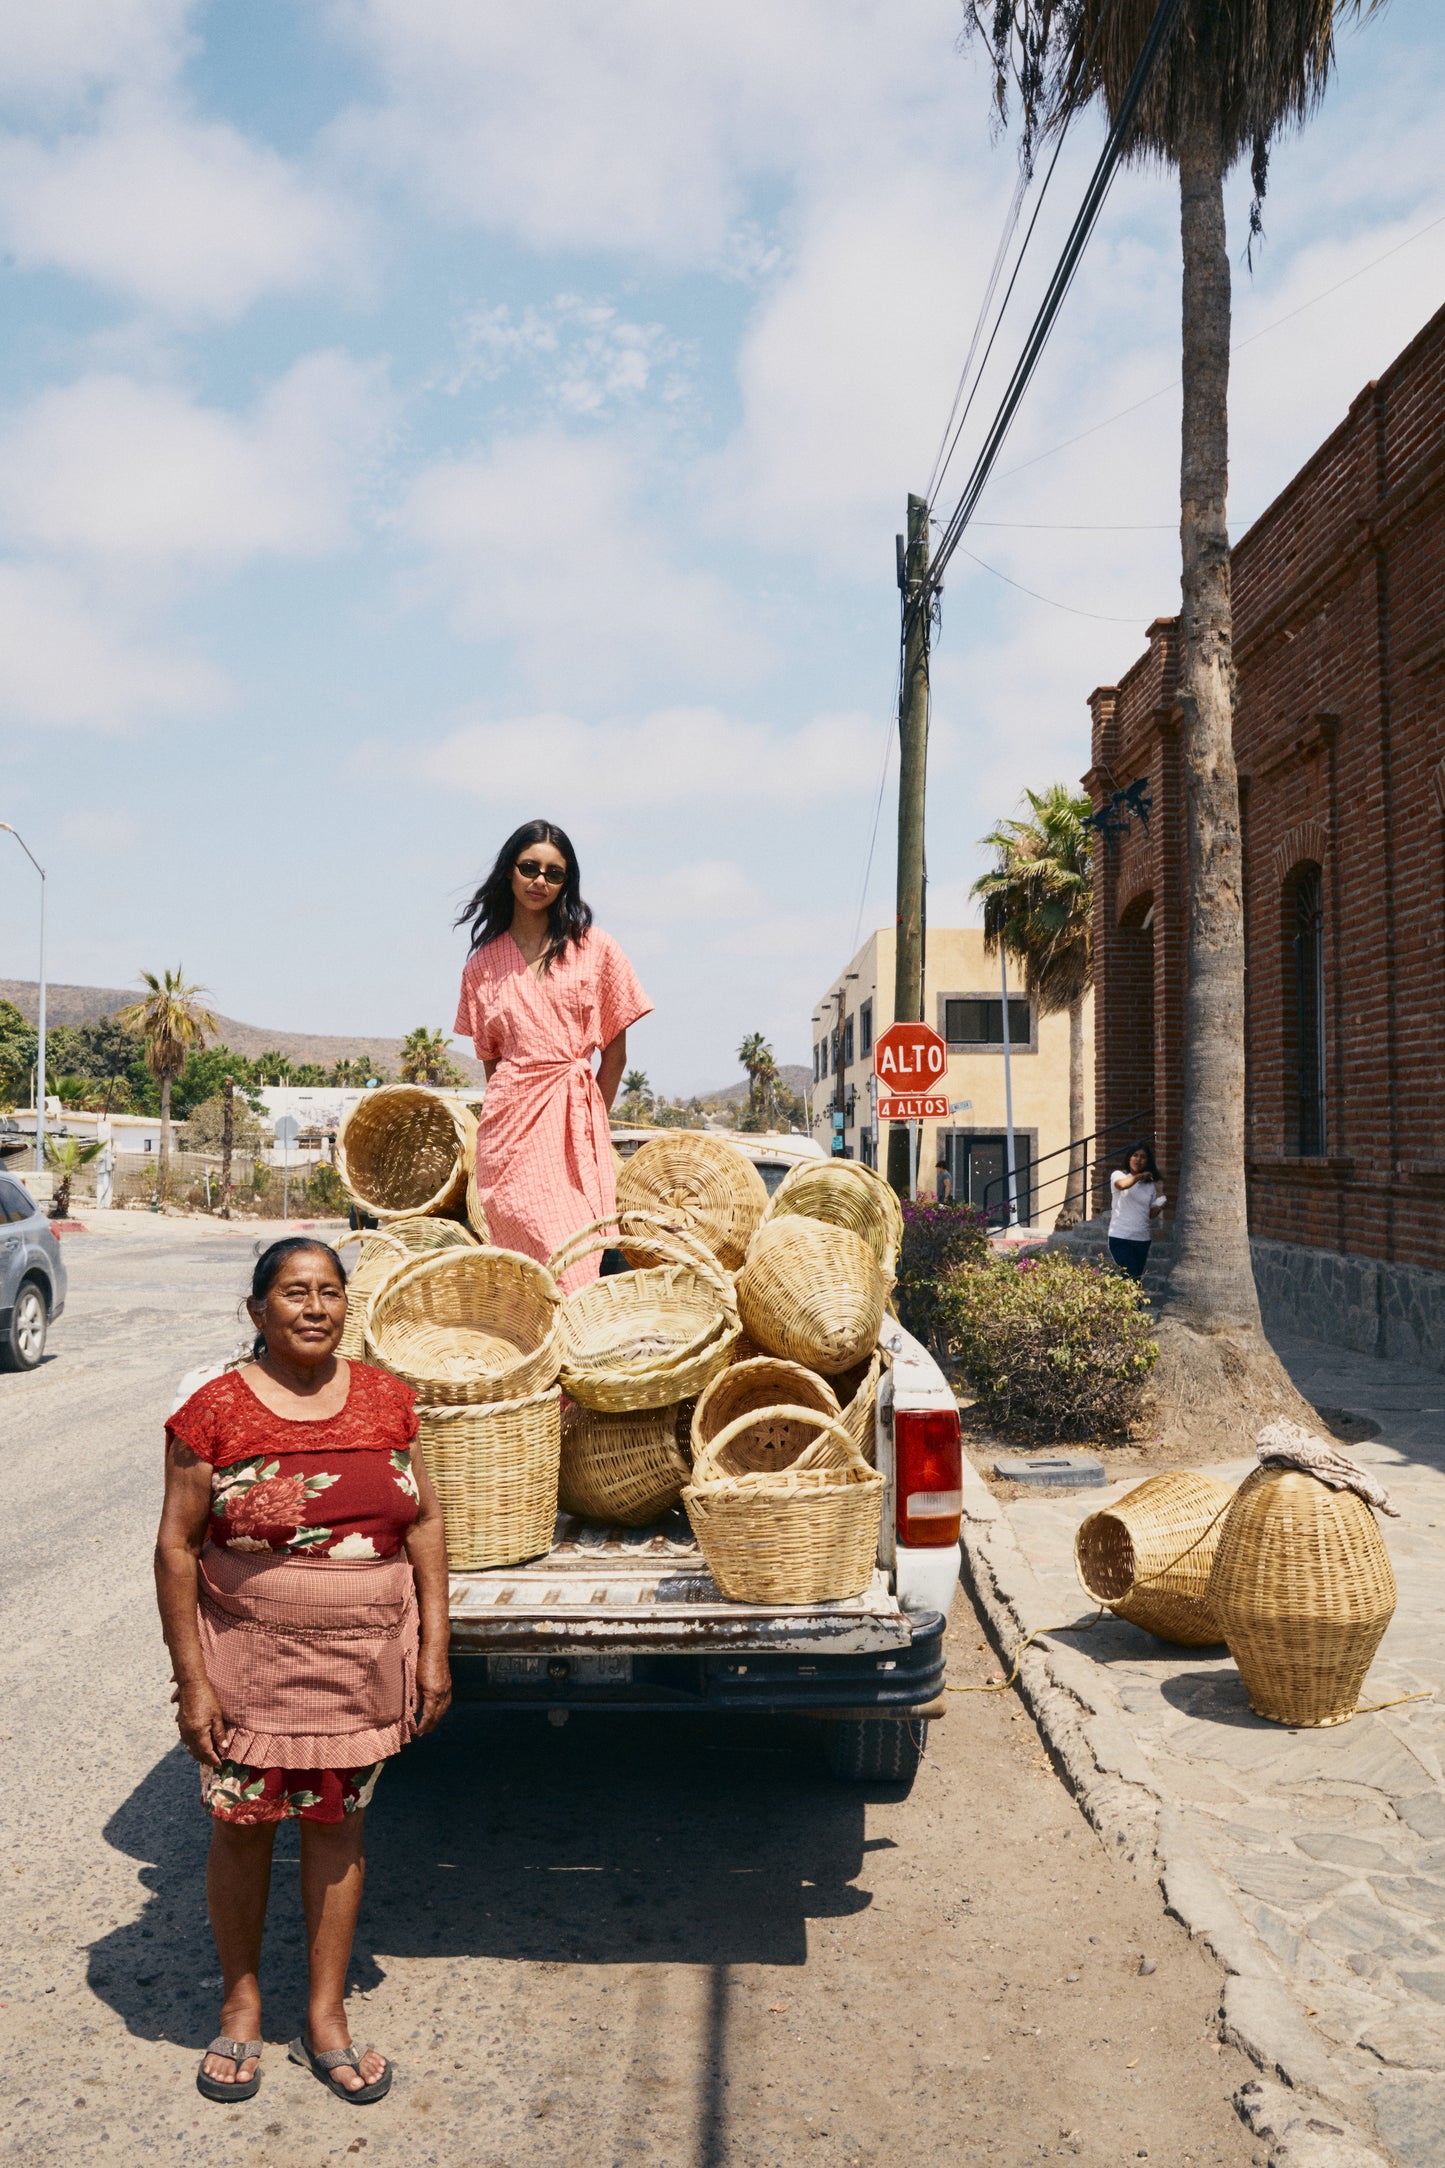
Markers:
point(584, 1669)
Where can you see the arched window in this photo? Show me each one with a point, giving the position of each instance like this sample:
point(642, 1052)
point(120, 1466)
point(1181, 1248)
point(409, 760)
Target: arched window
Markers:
point(1305, 1036)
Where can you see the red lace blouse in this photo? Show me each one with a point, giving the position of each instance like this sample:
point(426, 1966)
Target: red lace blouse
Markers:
point(339, 1488)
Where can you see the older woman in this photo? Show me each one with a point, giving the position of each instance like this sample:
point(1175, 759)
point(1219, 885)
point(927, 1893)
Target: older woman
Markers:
point(302, 1581)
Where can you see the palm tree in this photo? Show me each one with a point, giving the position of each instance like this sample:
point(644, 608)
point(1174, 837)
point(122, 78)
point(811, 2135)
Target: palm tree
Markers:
point(635, 1085)
point(171, 1023)
point(275, 1068)
point(756, 1056)
point(1038, 903)
point(67, 1157)
point(425, 1059)
point(1231, 79)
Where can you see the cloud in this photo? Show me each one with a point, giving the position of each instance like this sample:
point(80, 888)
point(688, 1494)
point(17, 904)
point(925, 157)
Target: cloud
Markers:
point(102, 833)
point(143, 474)
point(188, 217)
point(666, 758)
point(543, 540)
point(66, 658)
point(582, 356)
point(60, 51)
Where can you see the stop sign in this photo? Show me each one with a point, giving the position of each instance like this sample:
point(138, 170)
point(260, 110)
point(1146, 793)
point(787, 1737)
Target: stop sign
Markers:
point(909, 1059)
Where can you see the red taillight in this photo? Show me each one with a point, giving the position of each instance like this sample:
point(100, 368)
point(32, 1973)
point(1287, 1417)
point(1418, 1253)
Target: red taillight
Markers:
point(928, 1476)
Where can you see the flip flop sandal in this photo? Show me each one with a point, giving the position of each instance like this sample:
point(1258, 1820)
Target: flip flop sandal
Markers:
point(237, 2052)
point(322, 2065)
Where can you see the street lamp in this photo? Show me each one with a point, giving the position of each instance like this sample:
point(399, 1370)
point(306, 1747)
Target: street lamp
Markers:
point(40, 1050)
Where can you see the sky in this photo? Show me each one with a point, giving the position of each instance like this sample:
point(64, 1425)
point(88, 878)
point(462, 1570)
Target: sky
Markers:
point(421, 415)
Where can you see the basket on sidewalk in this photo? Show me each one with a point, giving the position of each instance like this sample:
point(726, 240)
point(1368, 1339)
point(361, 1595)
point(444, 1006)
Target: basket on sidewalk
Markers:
point(468, 1326)
point(384, 1250)
point(495, 1472)
point(647, 1338)
point(628, 1468)
point(813, 1293)
point(806, 1535)
point(1303, 1590)
point(403, 1150)
point(847, 1194)
point(1149, 1556)
point(697, 1183)
point(762, 1382)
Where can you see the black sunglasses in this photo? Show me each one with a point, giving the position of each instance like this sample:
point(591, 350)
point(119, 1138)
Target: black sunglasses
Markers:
point(532, 869)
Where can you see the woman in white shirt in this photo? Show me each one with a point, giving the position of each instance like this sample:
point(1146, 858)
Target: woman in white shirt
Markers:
point(1136, 1196)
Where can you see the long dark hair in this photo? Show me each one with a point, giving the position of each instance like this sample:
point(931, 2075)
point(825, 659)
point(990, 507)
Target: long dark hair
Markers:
point(268, 1271)
point(489, 913)
point(1147, 1149)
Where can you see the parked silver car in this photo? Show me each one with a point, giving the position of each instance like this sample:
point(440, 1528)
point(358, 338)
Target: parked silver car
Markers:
point(32, 1277)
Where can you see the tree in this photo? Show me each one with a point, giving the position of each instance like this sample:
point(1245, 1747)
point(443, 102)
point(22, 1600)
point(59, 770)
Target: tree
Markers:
point(1231, 79)
point(756, 1056)
point(171, 1022)
point(19, 1046)
point(1038, 904)
point(67, 1156)
point(206, 1125)
point(273, 1067)
point(204, 1078)
point(636, 1085)
point(425, 1059)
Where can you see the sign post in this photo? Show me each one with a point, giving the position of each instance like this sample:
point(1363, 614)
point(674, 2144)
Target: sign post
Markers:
point(910, 1062)
point(288, 1129)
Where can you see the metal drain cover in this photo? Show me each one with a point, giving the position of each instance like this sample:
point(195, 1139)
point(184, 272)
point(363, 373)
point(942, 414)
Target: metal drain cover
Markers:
point(1052, 1471)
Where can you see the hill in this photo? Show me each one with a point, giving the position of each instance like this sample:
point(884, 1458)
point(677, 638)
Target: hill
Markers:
point(794, 1074)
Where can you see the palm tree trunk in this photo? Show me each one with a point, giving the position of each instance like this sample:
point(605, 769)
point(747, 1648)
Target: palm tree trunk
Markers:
point(165, 1166)
point(1212, 1284)
point(1076, 1202)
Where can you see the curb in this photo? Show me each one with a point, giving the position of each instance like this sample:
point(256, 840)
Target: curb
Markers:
point(1305, 2101)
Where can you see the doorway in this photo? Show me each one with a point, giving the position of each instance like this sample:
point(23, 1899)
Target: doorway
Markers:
point(977, 1166)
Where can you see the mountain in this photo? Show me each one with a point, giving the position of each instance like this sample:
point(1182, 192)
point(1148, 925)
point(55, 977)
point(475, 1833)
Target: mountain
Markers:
point(795, 1074)
point(87, 1004)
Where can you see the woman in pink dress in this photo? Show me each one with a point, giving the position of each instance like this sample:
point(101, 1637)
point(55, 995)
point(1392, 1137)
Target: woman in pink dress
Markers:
point(542, 991)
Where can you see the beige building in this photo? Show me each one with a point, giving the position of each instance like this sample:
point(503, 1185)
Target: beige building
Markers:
point(963, 1001)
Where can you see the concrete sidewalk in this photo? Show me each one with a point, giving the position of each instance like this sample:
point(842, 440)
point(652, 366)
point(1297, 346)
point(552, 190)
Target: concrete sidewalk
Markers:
point(1312, 1861)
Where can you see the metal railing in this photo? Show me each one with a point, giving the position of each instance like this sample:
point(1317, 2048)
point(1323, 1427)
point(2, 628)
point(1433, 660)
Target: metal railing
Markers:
point(997, 1208)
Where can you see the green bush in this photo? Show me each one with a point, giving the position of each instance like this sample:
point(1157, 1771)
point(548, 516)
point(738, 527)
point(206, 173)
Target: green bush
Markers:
point(1053, 1349)
point(936, 1239)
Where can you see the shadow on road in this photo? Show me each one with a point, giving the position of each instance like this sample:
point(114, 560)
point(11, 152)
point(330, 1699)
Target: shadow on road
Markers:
point(613, 1841)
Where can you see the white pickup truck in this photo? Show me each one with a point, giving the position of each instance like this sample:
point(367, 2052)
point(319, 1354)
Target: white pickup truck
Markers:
point(630, 1619)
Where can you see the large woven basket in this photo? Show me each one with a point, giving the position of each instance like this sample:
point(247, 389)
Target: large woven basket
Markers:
point(385, 1250)
point(860, 1404)
point(813, 1293)
point(848, 1194)
point(472, 1205)
point(808, 1535)
point(495, 1472)
point(697, 1183)
point(1149, 1556)
point(763, 1382)
point(626, 1468)
point(403, 1150)
point(648, 1338)
point(1303, 1591)
point(771, 1441)
point(468, 1326)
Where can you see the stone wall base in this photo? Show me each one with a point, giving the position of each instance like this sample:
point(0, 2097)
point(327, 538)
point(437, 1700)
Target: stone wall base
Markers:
point(1362, 1303)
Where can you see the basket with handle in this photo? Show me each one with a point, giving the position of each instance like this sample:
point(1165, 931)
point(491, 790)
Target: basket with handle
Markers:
point(813, 1293)
point(772, 1440)
point(762, 1382)
point(495, 1471)
point(847, 1194)
point(647, 1338)
point(857, 1389)
point(627, 1468)
point(697, 1183)
point(1148, 1557)
point(472, 1205)
point(404, 1150)
point(805, 1534)
point(468, 1326)
point(384, 1250)
point(1303, 1590)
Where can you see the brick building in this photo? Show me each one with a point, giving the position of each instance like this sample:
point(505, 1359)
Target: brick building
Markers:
point(1339, 625)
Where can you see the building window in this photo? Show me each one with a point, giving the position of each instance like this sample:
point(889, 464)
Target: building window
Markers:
point(1308, 1019)
point(865, 1029)
point(970, 1023)
point(815, 1064)
point(822, 1059)
point(848, 1044)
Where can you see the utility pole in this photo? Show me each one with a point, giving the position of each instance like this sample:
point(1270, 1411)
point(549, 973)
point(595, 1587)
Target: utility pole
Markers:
point(912, 784)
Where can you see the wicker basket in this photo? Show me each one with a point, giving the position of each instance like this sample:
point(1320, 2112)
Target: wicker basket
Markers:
point(771, 1441)
point(813, 1293)
point(1303, 1591)
point(403, 1150)
point(698, 1183)
point(1148, 1557)
point(495, 1472)
point(809, 1535)
point(848, 1194)
point(644, 1339)
point(860, 1405)
point(763, 1382)
point(625, 1468)
point(468, 1326)
point(472, 1206)
point(385, 1250)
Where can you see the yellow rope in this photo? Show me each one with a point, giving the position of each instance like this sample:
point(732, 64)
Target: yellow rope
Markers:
point(1370, 1707)
point(1005, 1684)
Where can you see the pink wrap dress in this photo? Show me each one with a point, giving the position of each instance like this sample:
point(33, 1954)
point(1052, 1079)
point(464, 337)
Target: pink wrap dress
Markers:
point(544, 1148)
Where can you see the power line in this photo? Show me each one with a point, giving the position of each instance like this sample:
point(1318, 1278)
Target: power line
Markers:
point(878, 807)
point(1010, 225)
point(1098, 616)
point(1084, 526)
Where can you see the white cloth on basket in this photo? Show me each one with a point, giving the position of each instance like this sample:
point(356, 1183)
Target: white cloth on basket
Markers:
point(1289, 1445)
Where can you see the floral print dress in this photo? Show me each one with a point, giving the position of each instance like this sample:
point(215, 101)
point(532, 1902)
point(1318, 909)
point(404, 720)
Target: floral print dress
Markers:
point(339, 1488)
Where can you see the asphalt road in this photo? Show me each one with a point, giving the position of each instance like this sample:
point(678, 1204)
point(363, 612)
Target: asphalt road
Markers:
point(637, 1942)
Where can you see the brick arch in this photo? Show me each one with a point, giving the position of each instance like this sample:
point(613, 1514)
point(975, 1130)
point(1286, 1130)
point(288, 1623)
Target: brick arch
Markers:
point(1135, 908)
point(1437, 783)
point(1309, 840)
